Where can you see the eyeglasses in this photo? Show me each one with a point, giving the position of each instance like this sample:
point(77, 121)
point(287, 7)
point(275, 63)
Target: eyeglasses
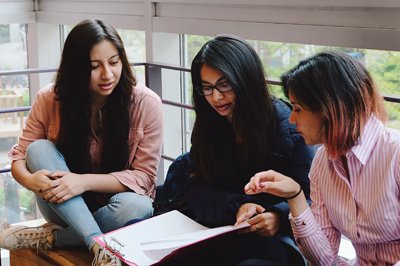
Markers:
point(208, 90)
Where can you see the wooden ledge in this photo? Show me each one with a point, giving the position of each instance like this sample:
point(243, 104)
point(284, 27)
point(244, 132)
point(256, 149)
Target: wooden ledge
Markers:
point(55, 257)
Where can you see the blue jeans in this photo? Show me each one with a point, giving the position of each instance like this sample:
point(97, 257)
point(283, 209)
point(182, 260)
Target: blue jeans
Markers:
point(80, 225)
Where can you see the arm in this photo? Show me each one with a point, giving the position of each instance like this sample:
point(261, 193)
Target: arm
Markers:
point(34, 129)
point(35, 182)
point(313, 231)
point(316, 236)
point(298, 167)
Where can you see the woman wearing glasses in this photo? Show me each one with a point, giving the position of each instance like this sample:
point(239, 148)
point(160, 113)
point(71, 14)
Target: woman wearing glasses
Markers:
point(240, 129)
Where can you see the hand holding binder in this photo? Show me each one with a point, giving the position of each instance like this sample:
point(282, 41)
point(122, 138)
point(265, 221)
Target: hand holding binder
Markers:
point(156, 239)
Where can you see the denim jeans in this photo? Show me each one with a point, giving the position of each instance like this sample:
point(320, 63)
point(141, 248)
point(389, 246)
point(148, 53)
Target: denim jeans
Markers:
point(80, 225)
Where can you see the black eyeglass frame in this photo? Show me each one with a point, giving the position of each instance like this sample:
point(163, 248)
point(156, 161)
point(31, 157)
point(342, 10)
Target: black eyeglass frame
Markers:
point(200, 89)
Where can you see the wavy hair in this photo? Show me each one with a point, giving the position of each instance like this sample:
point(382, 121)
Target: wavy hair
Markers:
point(253, 114)
point(72, 91)
point(341, 90)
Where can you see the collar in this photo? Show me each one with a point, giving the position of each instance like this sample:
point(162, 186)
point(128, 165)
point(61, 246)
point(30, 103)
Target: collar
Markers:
point(366, 141)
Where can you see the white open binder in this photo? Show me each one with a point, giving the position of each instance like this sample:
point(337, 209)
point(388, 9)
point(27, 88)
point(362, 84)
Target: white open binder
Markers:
point(159, 238)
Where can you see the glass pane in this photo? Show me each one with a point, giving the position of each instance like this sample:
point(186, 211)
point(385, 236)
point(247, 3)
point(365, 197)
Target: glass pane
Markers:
point(192, 45)
point(393, 110)
point(135, 47)
point(13, 54)
point(16, 203)
point(280, 57)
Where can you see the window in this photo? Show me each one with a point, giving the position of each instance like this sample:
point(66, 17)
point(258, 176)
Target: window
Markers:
point(16, 203)
point(280, 57)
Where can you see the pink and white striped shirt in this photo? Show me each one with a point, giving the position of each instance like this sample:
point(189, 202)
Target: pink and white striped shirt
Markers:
point(364, 207)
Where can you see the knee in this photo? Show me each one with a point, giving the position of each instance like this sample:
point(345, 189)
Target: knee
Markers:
point(133, 205)
point(43, 154)
point(39, 147)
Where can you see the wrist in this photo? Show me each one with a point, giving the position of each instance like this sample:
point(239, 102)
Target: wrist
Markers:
point(298, 204)
point(295, 195)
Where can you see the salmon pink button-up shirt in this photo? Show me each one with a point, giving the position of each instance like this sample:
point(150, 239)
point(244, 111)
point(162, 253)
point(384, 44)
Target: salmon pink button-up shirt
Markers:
point(145, 136)
point(365, 206)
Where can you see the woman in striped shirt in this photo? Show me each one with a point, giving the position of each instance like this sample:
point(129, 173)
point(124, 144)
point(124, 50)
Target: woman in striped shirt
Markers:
point(355, 175)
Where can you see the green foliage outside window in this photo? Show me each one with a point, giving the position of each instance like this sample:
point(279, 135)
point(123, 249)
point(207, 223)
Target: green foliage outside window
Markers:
point(279, 57)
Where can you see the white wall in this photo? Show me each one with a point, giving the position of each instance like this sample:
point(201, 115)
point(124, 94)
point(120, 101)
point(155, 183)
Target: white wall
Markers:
point(351, 23)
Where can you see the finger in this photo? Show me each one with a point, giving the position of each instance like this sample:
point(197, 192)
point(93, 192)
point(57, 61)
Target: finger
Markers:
point(257, 179)
point(245, 216)
point(47, 195)
point(248, 189)
point(54, 183)
point(64, 199)
point(49, 187)
point(57, 196)
point(241, 219)
point(46, 189)
point(49, 174)
point(50, 193)
point(269, 175)
point(252, 186)
point(56, 174)
point(247, 186)
point(260, 209)
point(274, 188)
point(255, 228)
point(47, 184)
point(254, 220)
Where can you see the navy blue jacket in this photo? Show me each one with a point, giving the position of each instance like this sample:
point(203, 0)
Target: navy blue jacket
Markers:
point(217, 205)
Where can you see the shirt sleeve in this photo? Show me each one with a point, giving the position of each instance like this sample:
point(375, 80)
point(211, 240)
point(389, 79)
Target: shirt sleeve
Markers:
point(298, 167)
point(35, 124)
point(317, 238)
point(145, 153)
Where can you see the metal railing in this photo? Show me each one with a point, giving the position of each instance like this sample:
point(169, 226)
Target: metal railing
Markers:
point(153, 81)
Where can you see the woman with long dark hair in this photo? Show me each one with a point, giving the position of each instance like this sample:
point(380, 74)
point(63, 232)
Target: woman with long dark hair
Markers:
point(355, 177)
point(90, 147)
point(240, 129)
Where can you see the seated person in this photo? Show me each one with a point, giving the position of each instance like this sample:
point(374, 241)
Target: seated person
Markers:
point(355, 175)
point(240, 129)
point(90, 147)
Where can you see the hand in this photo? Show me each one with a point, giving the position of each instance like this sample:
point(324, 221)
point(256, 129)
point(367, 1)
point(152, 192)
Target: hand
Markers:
point(64, 186)
point(273, 183)
point(40, 181)
point(246, 211)
point(265, 224)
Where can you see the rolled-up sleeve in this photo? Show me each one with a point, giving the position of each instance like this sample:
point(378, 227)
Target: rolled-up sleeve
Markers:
point(314, 232)
point(36, 123)
point(145, 143)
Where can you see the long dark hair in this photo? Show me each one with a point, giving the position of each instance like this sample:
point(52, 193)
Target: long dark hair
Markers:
point(339, 88)
point(72, 91)
point(252, 121)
